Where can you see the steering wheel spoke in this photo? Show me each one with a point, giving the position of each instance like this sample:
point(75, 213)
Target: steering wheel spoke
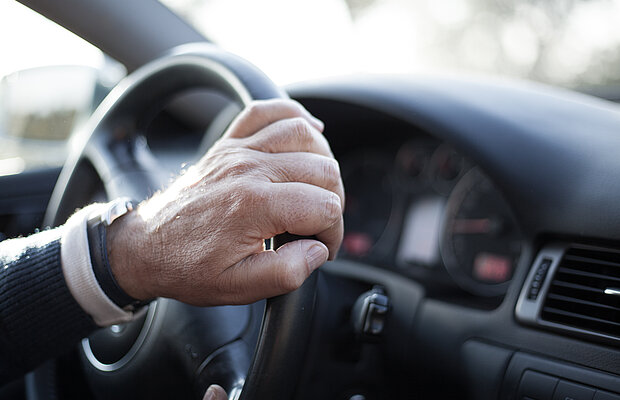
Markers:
point(125, 166)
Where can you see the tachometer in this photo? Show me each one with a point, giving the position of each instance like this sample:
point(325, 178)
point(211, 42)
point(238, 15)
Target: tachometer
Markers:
point(481, 242)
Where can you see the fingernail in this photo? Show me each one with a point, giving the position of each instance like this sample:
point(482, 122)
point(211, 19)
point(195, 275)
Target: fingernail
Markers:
point(316, 256)
point(210, 395)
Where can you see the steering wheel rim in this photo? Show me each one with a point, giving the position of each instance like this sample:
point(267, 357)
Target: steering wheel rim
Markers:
point(110, 150)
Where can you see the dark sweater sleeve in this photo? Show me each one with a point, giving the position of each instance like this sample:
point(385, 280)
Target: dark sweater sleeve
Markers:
point(39, 318)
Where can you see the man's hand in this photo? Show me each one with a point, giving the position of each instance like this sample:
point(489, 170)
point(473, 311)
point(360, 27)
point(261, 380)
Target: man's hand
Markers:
point(201, 240)
point(215, 392)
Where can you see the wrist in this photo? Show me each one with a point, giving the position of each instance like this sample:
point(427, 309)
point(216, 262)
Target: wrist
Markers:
point(126, 250)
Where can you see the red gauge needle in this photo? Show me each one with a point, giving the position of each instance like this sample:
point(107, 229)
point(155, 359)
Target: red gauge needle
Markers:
point(473, 226)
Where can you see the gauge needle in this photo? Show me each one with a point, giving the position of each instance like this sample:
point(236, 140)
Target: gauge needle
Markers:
point(473, 226)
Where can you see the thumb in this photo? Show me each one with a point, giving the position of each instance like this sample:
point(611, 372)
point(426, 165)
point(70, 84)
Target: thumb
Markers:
point(215, 392)
point(271, 273)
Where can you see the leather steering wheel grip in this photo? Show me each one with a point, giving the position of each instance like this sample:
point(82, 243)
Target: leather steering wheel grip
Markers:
point(280, 353)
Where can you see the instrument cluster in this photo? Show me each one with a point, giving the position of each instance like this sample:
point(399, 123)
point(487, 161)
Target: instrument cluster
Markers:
point(425, 210)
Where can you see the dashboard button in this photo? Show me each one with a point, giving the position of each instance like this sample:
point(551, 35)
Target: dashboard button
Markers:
point(572, 391)
point(539, 278)
point(537, 386)
point(600, 395)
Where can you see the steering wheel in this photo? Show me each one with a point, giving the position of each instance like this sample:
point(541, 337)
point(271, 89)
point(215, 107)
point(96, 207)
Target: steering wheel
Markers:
point(174, 347)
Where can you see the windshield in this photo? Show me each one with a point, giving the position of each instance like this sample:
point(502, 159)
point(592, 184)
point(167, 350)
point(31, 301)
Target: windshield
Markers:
point(573, 43)
point(50, 82)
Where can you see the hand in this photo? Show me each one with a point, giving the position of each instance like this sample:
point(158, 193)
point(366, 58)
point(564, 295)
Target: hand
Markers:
point(215, 392)
point(201, 241)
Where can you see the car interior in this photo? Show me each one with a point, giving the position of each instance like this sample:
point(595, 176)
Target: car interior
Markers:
point(481, 255)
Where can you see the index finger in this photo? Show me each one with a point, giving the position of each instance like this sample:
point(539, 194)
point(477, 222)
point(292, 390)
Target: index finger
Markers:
point(305, 210)
point(263, 113)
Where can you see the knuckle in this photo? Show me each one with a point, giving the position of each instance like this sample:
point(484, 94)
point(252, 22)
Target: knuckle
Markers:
point(288, 105)
point(254, 109)
point(290, 279)
point(295, 107)
point(332, 207)
point(246, 196)
point(302, 131)
point(241, 165)
point(331, 171)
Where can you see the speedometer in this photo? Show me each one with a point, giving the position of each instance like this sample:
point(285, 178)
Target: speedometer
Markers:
point(481, 242)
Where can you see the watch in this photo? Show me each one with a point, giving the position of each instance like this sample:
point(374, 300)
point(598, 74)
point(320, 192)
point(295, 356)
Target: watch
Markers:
point(97, 234)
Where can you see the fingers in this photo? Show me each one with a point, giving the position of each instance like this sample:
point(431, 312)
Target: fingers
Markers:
point(271, 273)
point(305, 210)
point(332, 236)
point(307, 168)
point(290, 135)
point(260, 114)
point(215, 392)
point(307, 197)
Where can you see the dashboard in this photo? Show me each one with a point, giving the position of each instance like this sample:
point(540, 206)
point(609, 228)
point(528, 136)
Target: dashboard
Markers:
point(421, 208)
point(497, 198)
point(484, 208)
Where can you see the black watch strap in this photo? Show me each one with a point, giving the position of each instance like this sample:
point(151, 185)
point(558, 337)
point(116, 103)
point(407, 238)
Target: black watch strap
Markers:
point(97, 243)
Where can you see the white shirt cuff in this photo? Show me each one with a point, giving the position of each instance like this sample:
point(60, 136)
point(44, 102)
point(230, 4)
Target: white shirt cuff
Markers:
point(79, 275)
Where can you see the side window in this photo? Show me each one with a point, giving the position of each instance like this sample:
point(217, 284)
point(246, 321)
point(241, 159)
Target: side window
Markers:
point(50, 82)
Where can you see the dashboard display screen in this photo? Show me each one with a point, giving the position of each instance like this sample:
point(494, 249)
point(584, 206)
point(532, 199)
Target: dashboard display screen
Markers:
point(420, 238)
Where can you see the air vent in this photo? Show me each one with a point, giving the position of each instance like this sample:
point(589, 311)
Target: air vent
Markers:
point(584, 293)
